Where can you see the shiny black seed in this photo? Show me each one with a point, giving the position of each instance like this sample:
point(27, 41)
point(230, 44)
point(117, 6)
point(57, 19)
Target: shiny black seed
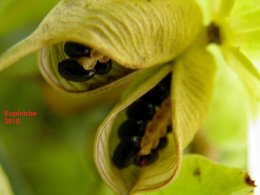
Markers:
point(162, 143)
point(125, 153)
point(141, 110)
point(131, 127)
point(75, 50)
point(147, 159)
point(73, 71)
point(103, 68)
point(157, 94)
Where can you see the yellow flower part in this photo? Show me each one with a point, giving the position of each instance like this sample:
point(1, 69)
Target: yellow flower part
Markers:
point(235, 26)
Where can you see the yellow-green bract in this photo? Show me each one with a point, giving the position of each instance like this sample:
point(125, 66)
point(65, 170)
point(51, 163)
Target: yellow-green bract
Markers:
point(136, 34)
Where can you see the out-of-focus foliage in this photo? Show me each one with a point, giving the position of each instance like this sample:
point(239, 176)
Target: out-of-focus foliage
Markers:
point(52, 152)
point(228, 119)
point(200, 176)
point(20, 15)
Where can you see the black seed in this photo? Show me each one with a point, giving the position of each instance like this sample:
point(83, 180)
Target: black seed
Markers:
point(157, 94)
point(162, 143)
point(140, 110)
point(147, 159)
point(125, 152)
point(131, 127)
point(166, 82)
point(154, 96)
point(73, 71)
point(169, 129)
point(75, 50)
point(103, 68)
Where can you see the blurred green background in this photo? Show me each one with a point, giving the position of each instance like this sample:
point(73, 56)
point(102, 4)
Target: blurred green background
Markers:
point(51, 154)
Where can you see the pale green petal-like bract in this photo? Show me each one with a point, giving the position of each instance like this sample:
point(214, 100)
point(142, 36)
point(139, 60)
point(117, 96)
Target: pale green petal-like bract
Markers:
point(136, 34)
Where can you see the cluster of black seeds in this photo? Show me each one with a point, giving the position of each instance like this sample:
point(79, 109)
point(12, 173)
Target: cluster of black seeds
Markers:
point(132, 130)
point(72, 70)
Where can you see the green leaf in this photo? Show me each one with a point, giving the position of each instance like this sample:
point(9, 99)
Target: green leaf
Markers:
point(244, 68)
point(127, 36)
point(200, 176)
point(5, 187)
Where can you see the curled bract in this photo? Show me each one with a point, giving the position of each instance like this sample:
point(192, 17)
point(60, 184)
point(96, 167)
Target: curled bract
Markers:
point(50, 56)
point(134, 34)
point(190, 92)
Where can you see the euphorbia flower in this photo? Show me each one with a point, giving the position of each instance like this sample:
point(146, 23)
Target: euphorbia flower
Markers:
point(235, 30)
point(146, 40)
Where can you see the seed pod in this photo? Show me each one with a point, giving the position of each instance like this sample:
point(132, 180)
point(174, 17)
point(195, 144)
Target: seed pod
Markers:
point(125, 181)
point(125, 36)
point(195, 74)
point(116, 76)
